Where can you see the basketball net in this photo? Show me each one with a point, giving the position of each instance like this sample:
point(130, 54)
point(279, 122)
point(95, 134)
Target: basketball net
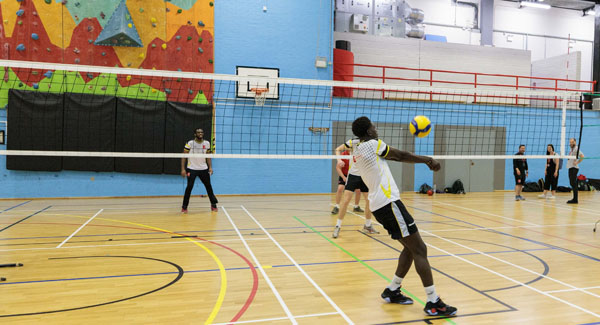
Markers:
point(260, 95)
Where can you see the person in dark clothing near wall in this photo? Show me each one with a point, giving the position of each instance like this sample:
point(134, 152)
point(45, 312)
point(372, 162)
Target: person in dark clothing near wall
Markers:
point(573, 167)
point(551, 173)
point(521, 171)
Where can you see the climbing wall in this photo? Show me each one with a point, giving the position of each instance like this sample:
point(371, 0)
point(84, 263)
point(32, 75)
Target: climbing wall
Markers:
point(174, 35)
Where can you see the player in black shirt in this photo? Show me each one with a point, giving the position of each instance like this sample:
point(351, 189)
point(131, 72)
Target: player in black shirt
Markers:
point(521, 172)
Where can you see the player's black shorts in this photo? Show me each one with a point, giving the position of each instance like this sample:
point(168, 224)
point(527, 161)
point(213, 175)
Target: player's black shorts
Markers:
point(396, 220)
point(341, 181)
point(356, 183)
point(520, 179)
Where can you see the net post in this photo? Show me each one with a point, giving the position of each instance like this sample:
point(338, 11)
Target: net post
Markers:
point(563, 127)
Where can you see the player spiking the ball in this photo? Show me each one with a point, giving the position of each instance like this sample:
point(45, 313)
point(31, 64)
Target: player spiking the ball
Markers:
point(371, 156)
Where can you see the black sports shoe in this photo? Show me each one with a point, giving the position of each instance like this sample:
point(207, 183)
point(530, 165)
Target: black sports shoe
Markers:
point(439, 308)
point(572, 201)
point(396, 297)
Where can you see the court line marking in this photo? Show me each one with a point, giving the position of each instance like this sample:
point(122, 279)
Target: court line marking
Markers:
point(289, 314)
point(515, 227)
point(415, 298)
point(577, 209)
point(277, 318)
point(130, 244)
point(488, 213)
point(509, 278)
point(340, 311)
point(15, 206)
point(78, 229)
point(29, 216)
point(222, 273)
point(568, 290)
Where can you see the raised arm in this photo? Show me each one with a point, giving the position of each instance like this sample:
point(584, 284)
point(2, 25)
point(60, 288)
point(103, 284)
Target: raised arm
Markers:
point(409, 157)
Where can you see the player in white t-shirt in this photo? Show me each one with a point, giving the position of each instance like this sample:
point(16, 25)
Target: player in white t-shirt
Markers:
point(353, 183)
point(197, 167)
point(371, 155)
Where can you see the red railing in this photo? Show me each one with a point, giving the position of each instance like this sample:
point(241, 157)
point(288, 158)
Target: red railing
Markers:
point(513, 81)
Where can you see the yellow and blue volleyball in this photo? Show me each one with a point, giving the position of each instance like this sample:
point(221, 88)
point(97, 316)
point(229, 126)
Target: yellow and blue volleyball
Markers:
point(420, 126)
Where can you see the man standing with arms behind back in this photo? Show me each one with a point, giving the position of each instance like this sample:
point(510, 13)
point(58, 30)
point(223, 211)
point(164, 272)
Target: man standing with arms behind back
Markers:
point(197, 167)
point(521, 172)
point(573, 167)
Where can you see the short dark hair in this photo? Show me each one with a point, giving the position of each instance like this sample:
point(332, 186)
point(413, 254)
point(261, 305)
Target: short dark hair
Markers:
point(360, 126)
point(521, 145)
point(196, 130)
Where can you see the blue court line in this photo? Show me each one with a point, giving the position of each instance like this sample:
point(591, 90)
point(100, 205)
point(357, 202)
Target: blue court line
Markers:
point(187, 231)
point(29, 216)
point(16, 206)
point(246, 268)
point(565, 250)
point(597, 323)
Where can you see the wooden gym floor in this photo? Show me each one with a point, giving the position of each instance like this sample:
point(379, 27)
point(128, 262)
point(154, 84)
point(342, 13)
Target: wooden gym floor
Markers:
point(271, 259)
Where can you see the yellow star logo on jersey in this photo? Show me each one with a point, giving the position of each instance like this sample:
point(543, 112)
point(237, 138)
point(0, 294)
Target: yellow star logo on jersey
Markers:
point(388, 192)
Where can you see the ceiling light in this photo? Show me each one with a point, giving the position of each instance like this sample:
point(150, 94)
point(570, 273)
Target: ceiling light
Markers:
point(535, 5)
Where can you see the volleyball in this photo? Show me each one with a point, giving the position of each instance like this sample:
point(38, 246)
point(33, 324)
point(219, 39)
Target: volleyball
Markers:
point(420, 126)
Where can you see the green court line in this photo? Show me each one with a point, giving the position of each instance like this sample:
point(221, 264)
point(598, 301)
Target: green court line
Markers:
point(590, 125)
point(365, 264)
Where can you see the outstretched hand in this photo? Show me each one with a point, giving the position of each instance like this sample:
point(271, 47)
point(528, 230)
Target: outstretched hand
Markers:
point(433, 165)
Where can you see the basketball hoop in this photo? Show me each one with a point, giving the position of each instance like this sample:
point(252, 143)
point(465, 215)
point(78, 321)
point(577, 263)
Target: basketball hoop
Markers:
point(260, 95)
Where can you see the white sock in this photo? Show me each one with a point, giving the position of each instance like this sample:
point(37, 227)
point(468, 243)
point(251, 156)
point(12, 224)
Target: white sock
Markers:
point(357, 206)
point(337, 205)
point(339, 223)
point(368, 222)
point(396, 283)
point(431, 294)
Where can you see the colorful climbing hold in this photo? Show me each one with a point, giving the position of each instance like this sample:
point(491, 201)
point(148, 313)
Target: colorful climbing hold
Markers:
point(199, 39)
point(211, 4)
point(164, 46)
point(142, 55)
point(200, 23)
point(141, 10)
point(189, 38)
point(179, 11)
point(130, 25)
point(152, 20)
point(20, 12)
point(103, 53)
point(36, 85)
point(200, 50)
point(128, 78)
point(102, 15)
point(35, 36)
point(168, 91)
point(178, 37)
point(210, 61)
point(48, 1)
point(153, 45)
point(77, 60)
point(48, 74)
point(21, 47)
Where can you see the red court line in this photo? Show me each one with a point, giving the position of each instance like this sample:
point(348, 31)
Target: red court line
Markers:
point(251, 266)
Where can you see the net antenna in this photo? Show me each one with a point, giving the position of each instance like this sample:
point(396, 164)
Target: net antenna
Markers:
point(260, 95)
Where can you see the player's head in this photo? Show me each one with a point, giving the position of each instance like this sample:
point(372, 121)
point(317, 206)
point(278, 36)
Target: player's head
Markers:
point(550, 149)
point(363, 128)
point(572, 142)
point(522, 148)
point(199, 133)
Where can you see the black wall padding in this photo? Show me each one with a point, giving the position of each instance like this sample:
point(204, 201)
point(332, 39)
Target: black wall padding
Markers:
point(35, 122)
point(89, 125)
point(182, 120)
point(140, 127)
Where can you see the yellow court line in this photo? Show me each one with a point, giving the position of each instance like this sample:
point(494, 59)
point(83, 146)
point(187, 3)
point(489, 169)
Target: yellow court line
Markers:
point(222, 272)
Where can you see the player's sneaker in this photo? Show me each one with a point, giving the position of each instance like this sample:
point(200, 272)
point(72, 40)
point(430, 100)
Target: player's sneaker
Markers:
point(395, 297)
point(335, 210)
point(517, 198)
point(572, 201)
point(213, 208)
point(542, 196)
point(184, 210)
point(336, 232)
point(550, 197)
point(358, 209)
point(522, 198)
point(439, 308)
point(369, 229)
